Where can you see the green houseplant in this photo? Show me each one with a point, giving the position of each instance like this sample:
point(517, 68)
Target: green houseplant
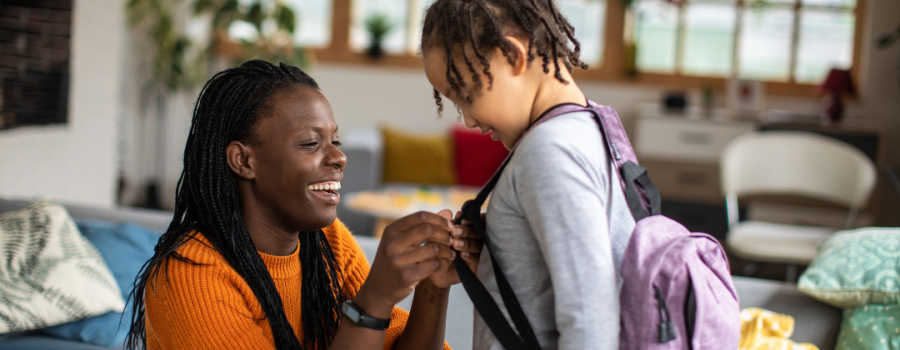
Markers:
point(378, 25)
point(180, 61)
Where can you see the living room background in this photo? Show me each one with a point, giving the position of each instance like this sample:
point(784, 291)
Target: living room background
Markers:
point(108, 132)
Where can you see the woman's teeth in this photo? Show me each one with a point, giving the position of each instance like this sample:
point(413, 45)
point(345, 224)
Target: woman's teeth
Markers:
point(331, 186)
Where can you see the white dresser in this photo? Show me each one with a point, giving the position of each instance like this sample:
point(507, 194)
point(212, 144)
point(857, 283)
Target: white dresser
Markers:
point(681, 151)
point(681, 154)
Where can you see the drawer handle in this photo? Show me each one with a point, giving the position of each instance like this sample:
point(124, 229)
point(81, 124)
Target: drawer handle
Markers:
point(688, 178)
point(695, 138)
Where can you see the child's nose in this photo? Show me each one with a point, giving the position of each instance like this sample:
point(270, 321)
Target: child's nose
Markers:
point(471, 123)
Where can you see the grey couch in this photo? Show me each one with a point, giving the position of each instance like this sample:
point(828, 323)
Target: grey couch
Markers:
point(815, 322)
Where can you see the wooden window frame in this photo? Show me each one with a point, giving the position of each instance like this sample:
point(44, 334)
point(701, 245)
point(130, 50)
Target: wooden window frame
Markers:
point(612, 68)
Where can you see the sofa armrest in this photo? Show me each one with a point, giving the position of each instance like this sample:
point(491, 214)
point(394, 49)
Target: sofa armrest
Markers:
point(156, 220)
point(363, 149)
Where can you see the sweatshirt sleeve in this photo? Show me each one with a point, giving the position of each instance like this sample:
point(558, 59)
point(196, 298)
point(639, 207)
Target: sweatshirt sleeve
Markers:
point(355, 268)
point(563, 193)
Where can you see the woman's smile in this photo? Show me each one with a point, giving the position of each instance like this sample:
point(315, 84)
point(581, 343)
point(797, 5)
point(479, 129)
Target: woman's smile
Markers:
point(326, 191)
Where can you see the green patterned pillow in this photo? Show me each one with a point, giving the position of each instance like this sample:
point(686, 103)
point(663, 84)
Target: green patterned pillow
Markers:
point(870, 327)
point(856, 267)
point(49, 273)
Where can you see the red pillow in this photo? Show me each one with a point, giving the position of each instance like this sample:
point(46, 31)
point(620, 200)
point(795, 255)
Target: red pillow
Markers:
point(477, 157)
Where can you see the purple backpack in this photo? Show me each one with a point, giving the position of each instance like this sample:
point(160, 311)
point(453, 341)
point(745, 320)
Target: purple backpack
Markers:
point(677, 291)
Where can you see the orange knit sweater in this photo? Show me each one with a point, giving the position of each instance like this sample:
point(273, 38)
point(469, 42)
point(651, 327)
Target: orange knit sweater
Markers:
point(209, 306)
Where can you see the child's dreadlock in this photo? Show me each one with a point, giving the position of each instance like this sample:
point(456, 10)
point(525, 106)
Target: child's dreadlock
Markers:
point(471, 29)
point(228, 109)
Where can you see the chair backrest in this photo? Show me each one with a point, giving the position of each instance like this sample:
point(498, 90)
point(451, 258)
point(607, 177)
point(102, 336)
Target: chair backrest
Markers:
point(797, 163)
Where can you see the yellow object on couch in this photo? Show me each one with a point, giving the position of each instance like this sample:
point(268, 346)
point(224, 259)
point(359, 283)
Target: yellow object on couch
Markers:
point(764, 330)
point(414, 158)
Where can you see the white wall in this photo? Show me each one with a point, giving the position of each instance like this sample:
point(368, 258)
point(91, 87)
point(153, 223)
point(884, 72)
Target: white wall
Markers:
point(75, 162)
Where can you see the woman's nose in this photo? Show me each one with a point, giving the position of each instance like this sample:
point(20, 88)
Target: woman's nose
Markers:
point(336, 158)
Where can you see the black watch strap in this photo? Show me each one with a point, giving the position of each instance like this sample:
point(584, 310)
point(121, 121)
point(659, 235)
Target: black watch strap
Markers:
point(361, 318)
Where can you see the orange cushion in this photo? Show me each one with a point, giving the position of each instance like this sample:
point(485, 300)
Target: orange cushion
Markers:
point(418, 158)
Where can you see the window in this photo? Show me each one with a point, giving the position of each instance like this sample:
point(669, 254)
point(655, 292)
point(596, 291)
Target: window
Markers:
point(789, 44)
point(313, 22)
point(588, 18)
point(772, 40)
point(405, 15)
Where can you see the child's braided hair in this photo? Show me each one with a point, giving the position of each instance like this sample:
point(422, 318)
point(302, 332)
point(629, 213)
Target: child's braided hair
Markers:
point(471, 29)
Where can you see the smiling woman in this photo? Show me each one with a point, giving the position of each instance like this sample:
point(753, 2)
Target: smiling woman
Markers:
point(255, 257)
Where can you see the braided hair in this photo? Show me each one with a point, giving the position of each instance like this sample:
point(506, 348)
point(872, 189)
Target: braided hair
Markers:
point(473, 28)
point(227, 109)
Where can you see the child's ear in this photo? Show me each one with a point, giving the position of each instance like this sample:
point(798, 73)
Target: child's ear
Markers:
point(520, 59)
point(240, 159)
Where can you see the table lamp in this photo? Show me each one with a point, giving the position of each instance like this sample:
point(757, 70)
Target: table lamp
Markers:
point(838, 81)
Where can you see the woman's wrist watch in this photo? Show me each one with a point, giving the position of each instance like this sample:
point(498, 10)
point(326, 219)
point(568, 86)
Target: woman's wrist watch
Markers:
point(360, 318)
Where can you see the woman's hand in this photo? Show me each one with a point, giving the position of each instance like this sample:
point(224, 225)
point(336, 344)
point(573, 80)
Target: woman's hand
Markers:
point(468, 243)
point(412, 248)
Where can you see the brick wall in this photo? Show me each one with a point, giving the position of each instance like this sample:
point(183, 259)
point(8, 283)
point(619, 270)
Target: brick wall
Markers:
point(35, 40)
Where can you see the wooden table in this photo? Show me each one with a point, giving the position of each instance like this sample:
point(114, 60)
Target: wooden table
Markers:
point(397, 201)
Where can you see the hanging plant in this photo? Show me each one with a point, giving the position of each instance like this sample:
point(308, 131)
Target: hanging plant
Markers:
point(180, 62)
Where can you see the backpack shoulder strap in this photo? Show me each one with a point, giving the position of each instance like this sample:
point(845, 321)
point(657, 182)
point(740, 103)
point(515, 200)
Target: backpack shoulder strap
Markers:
point(643, 200)
point(525, 338)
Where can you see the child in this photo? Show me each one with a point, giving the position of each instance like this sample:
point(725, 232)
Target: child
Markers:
point(557, 219)
point(255, 258)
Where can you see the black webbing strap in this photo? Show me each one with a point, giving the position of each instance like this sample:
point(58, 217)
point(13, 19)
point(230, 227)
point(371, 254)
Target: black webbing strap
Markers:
point(632, 173)
point(481, 298)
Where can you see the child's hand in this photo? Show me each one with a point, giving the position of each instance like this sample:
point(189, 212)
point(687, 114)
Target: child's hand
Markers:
point(468, 243)
point(412, 249)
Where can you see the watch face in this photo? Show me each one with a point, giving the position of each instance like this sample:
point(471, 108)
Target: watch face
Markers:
point(350, 312)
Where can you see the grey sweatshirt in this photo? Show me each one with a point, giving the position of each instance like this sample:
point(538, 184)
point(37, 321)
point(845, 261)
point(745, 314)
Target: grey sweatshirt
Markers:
point(559, 223)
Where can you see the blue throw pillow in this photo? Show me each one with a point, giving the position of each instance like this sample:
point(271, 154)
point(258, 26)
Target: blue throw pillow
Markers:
point(125, 248)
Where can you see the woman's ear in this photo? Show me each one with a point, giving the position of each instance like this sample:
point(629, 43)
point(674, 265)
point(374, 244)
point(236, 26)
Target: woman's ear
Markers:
point(240, 160)
point(520, 59)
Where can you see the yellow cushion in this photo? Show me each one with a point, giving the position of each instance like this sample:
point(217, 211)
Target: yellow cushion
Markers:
point(764, 330)
point(413, 157)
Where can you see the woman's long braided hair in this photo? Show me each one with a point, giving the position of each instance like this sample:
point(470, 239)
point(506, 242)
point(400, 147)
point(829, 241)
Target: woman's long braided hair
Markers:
point(471, 29)
point(207, 202)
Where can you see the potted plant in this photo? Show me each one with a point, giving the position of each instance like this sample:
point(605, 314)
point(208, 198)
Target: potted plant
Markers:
point(181, 62)
point(378, 25)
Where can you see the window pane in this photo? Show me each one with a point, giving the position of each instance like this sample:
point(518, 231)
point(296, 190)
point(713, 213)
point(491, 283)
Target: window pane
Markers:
point(589, 18)
point(709, 38)
point(398, 13)
point(830, 3)
point(766, 44)
point(826, 41)
point(313, 22)
point(422, 6)
point(656, 33)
